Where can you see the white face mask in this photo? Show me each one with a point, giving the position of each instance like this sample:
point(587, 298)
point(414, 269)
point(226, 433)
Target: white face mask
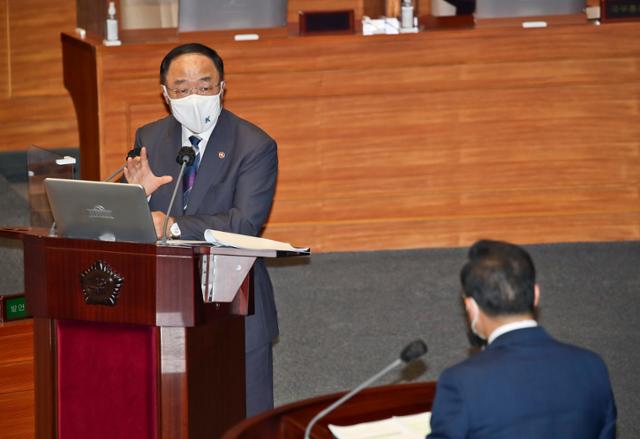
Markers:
point(196, 112)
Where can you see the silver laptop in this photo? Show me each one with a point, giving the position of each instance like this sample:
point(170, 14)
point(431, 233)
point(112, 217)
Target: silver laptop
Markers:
point(527, 8)
point(97, 210)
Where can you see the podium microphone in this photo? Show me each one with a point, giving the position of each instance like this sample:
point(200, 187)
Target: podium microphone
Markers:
point(186, 157)
point(412, 351)
point(135, 152)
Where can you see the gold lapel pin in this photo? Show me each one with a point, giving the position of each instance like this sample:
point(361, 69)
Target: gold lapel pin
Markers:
point(221, 154)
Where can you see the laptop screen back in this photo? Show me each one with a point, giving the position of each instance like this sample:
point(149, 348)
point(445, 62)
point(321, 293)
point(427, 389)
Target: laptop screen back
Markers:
point(97, 210)
point(526, 8)
point(201, 15)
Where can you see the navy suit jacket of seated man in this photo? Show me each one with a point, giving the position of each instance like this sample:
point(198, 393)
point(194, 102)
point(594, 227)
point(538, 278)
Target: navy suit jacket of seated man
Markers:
point(524, 384)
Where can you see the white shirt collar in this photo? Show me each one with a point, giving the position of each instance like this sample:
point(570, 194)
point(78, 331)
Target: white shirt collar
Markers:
point(500, 330)
point(186, 133)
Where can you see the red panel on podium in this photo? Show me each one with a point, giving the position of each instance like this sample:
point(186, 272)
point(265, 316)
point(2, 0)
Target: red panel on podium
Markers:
point(106, 380)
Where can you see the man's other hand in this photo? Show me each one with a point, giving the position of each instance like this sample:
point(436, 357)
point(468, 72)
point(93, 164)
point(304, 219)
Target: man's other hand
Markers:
point(137, 171)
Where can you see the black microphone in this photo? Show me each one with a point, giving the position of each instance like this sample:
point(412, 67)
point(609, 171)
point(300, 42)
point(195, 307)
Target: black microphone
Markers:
point(135, 152)
point(412, 351)
point(186, 157)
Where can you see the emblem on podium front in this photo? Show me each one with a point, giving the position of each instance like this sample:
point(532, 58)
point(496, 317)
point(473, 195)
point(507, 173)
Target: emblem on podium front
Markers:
point(100, 284)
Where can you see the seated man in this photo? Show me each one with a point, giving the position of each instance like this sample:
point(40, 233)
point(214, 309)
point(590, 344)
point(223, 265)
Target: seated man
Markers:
point(524, 384)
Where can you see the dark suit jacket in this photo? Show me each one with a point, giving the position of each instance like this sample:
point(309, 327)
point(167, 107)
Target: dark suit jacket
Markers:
point(233, 192)
point(525, 385)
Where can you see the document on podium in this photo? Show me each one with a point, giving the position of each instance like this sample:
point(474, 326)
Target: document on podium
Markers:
point(226, 239)
point(397, 427)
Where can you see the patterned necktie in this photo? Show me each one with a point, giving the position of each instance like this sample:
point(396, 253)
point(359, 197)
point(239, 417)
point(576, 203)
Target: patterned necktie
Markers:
point(190, 173)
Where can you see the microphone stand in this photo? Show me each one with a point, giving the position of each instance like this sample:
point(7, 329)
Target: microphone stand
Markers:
point(186, 157)
point(112, 176)
point(349, 395)
point(411, 352)
point(135, 152)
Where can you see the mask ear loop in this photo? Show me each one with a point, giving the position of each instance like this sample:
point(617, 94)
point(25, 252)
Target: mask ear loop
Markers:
point(165, 95)
point(474, 320)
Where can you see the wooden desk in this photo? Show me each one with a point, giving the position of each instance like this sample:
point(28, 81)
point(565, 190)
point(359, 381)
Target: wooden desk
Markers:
point(407, 141)
point(16, 380)
point(290, 421)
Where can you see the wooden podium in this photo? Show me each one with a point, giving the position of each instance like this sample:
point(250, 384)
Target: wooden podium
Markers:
point(125, 346)
point(377, 403)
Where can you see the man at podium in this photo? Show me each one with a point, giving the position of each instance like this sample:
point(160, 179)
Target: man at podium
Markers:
point(229, 186)
point(524, 384)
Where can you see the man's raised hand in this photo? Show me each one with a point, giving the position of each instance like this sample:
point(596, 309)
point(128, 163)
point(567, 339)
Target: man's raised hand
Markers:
point(137, 171)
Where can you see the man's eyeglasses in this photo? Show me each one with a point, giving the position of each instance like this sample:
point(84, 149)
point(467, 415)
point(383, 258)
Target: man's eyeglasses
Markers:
point(204, 90)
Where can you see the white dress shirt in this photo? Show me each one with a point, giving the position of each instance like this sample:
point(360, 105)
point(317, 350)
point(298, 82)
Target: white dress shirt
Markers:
point(500, 330)
point(204, 139)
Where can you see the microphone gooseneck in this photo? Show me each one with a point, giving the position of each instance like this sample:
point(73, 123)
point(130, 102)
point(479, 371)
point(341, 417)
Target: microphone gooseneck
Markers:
point(411, 352)
point(186, 157)
point(135, 152)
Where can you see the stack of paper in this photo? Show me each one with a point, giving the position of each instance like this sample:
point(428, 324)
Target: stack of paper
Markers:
point(226, 239)
point(396, 427)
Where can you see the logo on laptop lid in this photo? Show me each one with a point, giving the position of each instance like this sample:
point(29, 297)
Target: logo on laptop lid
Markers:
point(99, 211)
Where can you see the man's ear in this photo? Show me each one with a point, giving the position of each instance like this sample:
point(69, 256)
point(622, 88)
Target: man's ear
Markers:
point(536, 295)
point(470, 306)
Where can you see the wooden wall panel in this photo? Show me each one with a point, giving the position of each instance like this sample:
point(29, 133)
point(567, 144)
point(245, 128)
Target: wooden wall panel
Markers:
point(423, 7)
point(35, 108)
point(47, 121)
point(535, 127)
point(426, 140)
point(35, 46)
point(456, 231)
point(5, 77)
point(373, 8)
